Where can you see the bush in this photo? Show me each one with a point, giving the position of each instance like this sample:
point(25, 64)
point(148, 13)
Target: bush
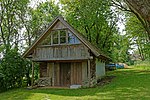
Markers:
point(2, 82)
point(12, 70)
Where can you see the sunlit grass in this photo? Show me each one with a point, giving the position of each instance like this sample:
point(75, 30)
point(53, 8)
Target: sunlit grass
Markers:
point(131, 84)
point(143, 65)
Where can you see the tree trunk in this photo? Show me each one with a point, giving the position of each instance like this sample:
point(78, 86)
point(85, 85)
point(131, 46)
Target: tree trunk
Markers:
point(141, 8)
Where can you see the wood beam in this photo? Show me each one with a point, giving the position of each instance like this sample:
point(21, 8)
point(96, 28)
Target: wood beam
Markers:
point(32, 81)
point(89, 74)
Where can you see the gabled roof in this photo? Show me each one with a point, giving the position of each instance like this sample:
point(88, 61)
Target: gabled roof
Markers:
point(93, 49)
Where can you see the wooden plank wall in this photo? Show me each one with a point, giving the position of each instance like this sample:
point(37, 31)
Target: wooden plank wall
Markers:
point(59, 25)
point(56, 74)
point(76, 73)
point(50, 70)
point(64, 52)
point(58, 71)
point(65, 70)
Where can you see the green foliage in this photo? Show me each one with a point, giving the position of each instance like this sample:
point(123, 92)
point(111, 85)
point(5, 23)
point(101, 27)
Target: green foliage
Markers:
point(94, 20)
point(13, 69)
point(137, 37)
point(142, 65)
point(17, 17)
point(10, 24)
point(38, 19)
point(121, 49)
point(2, 82)
point(28, 66)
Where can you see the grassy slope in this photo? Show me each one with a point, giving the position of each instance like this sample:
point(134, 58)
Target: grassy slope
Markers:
point(131, 84)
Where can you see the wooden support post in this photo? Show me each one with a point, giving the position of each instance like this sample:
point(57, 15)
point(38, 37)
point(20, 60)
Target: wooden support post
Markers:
point(32, 81)
point(53, 73)
point(89, 73)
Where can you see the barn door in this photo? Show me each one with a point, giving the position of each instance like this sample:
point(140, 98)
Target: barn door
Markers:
point(65, 74)
point(76, 73)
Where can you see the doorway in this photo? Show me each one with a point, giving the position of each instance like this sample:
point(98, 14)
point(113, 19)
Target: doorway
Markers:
point(65, 74)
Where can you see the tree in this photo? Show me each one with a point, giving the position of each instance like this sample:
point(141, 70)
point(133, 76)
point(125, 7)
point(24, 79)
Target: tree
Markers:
point(38, 19)
point(140, 8)
point(136, 33)
point(10, 22)
point(136, 24)
point(93, 19)
point(121, 49)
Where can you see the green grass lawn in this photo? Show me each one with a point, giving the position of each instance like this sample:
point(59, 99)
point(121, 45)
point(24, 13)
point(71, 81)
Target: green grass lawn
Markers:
point(129, 84)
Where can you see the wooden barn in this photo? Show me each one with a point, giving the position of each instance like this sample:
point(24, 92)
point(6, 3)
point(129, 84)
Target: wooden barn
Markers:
point(65, 57)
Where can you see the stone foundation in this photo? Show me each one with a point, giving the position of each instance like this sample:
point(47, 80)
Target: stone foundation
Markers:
point(46, 81)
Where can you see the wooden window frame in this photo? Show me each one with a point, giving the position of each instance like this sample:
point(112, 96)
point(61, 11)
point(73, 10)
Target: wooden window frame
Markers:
point(58, 33)
point(74, 38)
point(62, 36)
point(67, 37)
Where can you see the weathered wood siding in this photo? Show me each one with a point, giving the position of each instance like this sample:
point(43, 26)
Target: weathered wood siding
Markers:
point(63, 73)
point(100, 69)
point(61, 52)
point(76, 73)
point(59, 25)
point(57, 74)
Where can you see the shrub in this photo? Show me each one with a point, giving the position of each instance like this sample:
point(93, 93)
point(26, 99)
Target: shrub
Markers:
point(2, 83)
point(12, 69)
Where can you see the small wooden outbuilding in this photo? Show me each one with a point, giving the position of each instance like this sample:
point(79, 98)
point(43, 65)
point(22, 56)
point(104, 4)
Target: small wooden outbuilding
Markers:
point(65, 57)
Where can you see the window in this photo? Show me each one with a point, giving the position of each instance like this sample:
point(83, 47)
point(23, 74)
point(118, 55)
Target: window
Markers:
point(72, 39)
point(62, 36)
point(55, 37)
